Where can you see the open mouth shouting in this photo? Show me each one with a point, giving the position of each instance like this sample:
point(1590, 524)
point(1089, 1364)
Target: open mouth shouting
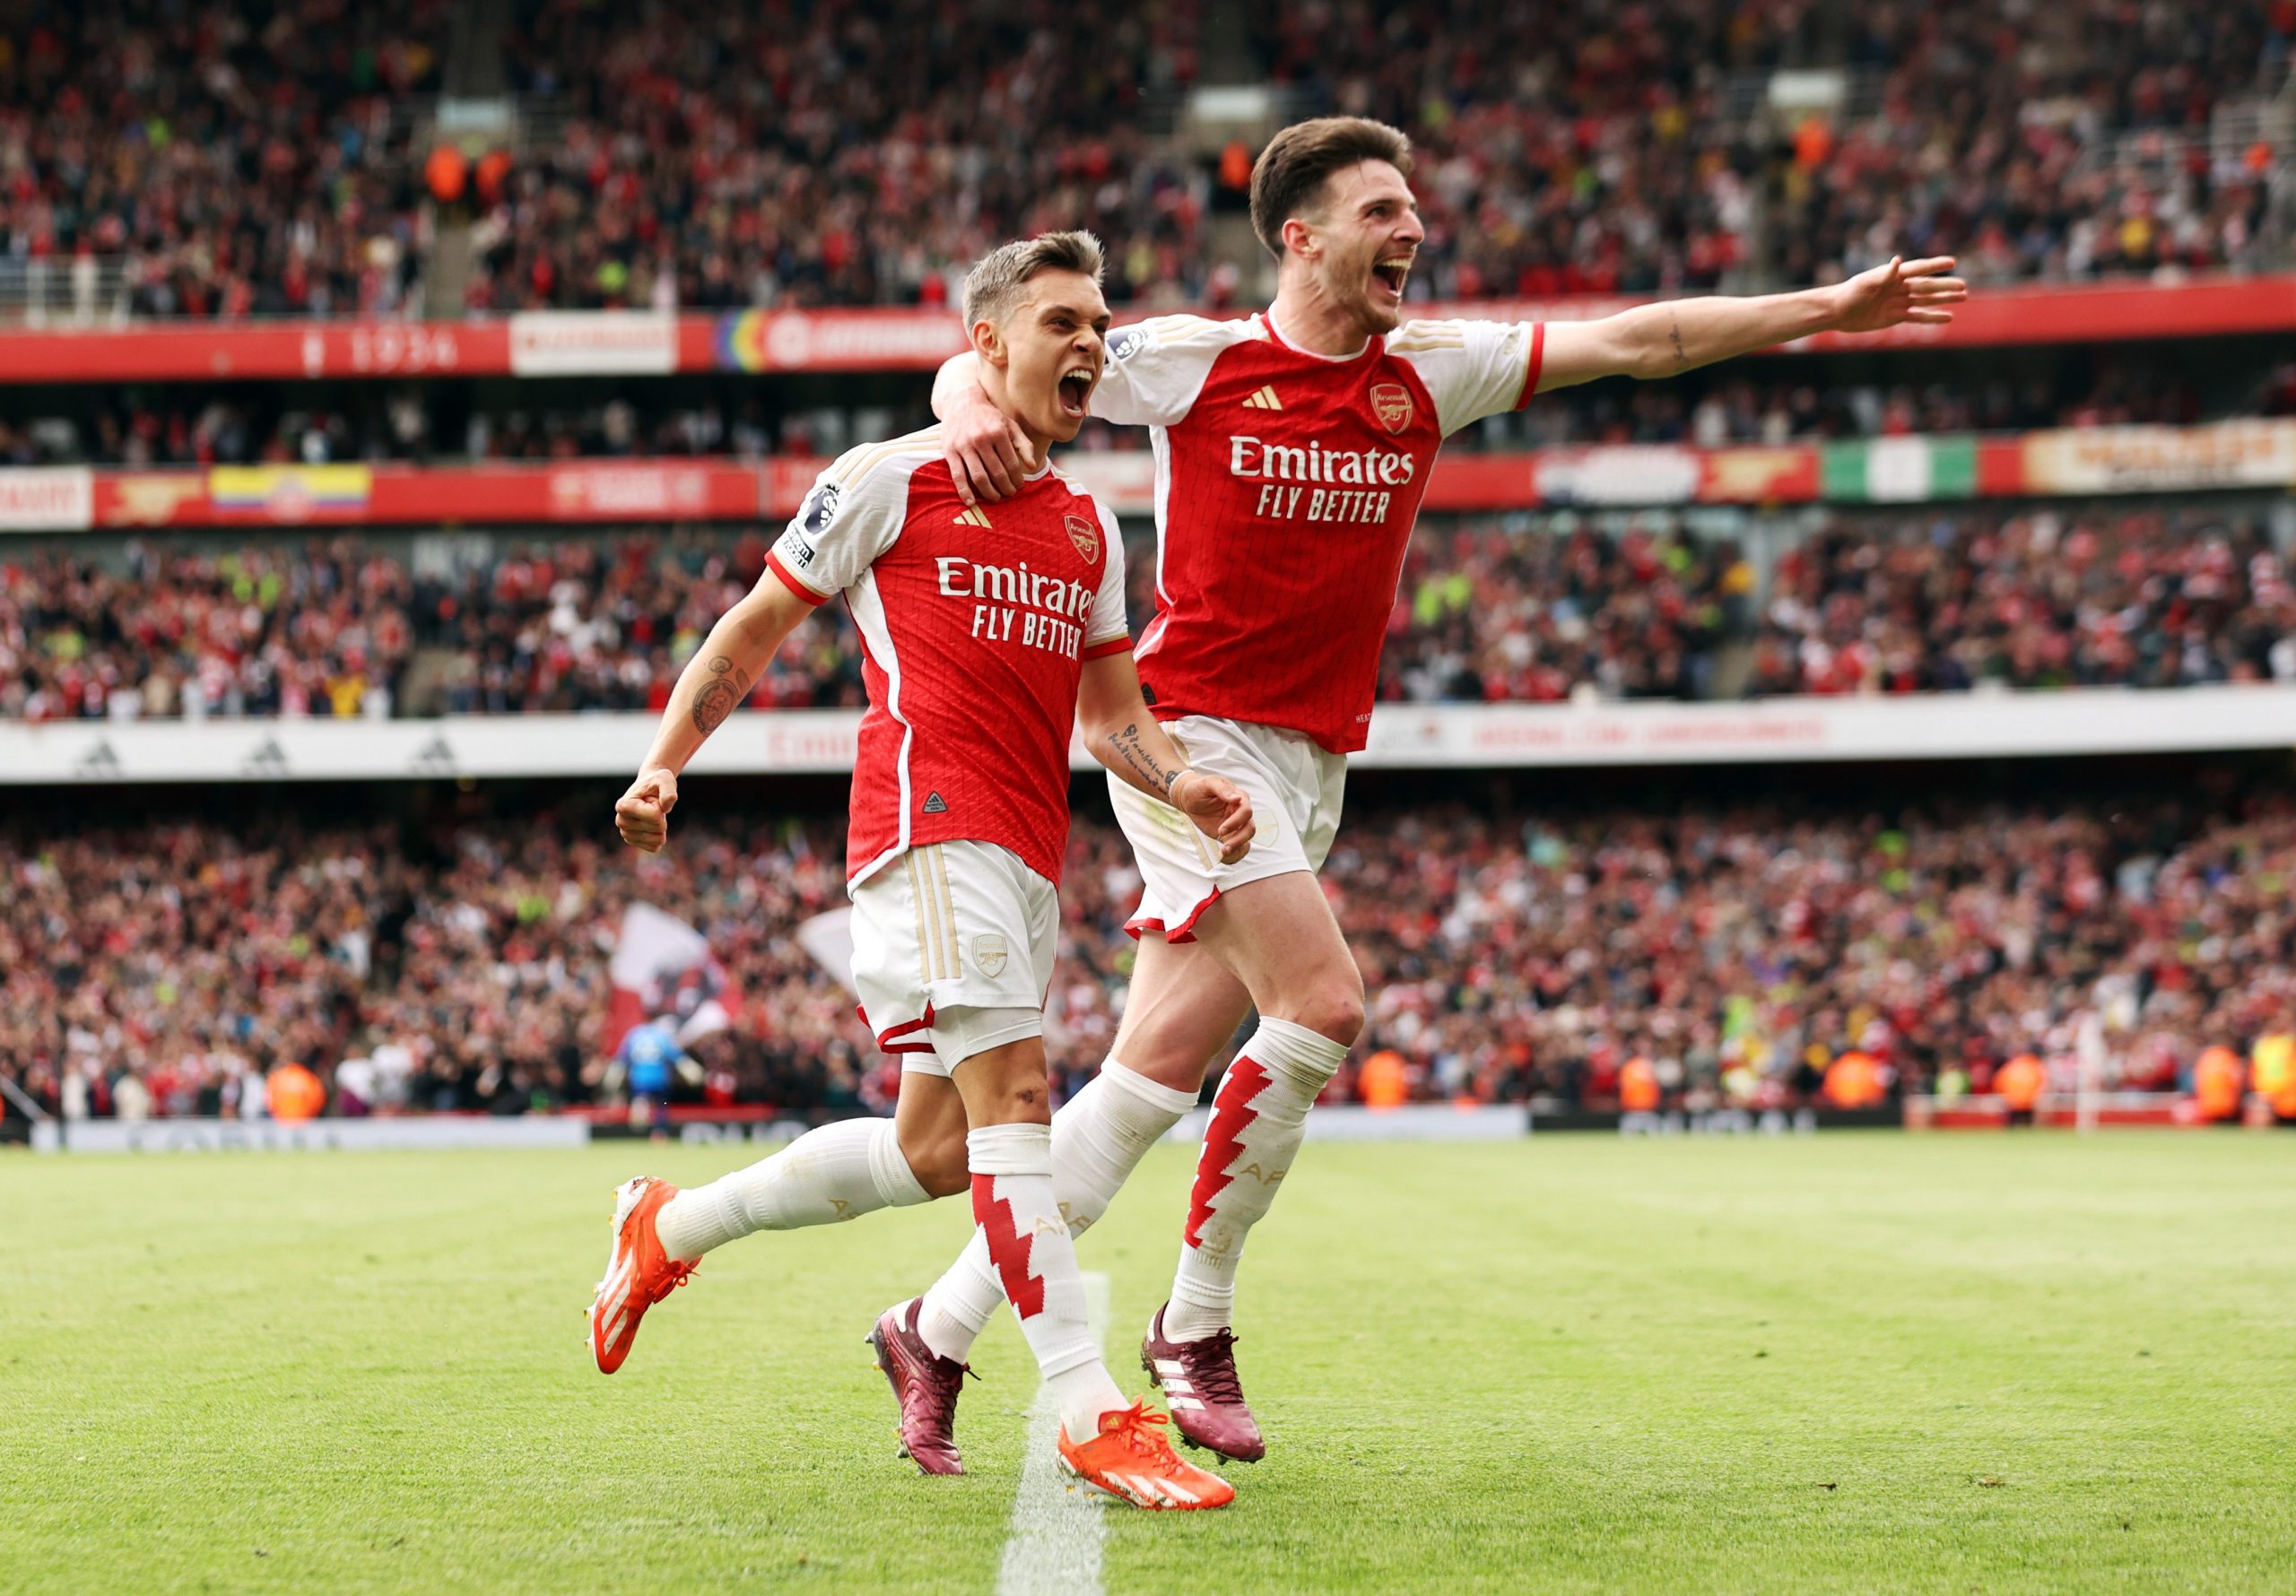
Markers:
point(1076, 390)
point(1387, 278)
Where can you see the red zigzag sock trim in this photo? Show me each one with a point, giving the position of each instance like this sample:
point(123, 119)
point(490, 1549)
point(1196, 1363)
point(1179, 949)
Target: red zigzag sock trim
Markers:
point(1223, 1141)
point(1008, 1249)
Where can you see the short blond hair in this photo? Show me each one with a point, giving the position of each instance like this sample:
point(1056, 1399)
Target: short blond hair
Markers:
point(993, 287)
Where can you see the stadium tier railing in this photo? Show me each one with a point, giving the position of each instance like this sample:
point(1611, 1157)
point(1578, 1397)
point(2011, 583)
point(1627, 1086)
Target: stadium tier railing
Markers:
point(2250, 454)
point(1403, 736)
point(636, 343)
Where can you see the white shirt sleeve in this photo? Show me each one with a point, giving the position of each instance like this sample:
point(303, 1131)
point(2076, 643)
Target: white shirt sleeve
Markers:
point(850, 517)
point(1110, 631)
point(1473, 369)
point(1155, 369)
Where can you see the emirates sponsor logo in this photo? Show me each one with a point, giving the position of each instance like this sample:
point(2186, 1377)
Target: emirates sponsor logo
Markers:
point(1391, 402)
point(1013, 585)
point(1255, 461)
point(1085, 537)
point(1015, 605)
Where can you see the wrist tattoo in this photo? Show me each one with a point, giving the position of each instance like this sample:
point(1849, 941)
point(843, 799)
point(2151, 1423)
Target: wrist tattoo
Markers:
point(1674, 325)
point(719, 696)
point(1129, 748)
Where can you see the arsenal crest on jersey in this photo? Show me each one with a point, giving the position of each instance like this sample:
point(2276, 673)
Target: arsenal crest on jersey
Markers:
point(1391, 402)
point(1087, 536)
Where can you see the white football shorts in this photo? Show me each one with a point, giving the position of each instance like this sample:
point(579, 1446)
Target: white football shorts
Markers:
point(1296, 788)
point(952, 952)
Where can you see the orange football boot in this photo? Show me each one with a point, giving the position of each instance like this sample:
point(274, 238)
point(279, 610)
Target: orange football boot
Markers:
point(638, 1274)
point(1131, 1461)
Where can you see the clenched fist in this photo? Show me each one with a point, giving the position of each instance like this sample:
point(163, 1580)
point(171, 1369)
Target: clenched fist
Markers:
point(642, 814)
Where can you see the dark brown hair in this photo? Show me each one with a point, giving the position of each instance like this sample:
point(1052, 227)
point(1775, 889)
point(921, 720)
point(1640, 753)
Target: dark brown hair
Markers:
point(1289, 176)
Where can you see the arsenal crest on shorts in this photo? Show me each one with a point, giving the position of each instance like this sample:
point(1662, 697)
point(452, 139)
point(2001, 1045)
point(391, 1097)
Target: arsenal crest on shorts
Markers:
point(1087, 536)
point(1391, 402)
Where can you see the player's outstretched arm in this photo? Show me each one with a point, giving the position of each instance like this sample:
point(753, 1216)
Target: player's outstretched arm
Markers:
point(710, 688)
point(982, 445)
point(1115, 725)
point(1665, 339)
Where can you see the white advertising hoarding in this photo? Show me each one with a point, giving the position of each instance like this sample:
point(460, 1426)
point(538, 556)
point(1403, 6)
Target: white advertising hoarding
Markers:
point(1496, 736)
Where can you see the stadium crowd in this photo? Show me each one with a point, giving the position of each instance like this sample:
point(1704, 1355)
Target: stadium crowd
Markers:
point(2065, 141)
point(1594, 154)
point(1521, 608)
point(1733, 952)
point(1946, 601)
point(267, 630)
point(230, 160)
point(837, 155)
point(233, 160)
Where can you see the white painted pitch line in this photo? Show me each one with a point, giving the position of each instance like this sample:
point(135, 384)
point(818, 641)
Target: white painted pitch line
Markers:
point(1054, 1549)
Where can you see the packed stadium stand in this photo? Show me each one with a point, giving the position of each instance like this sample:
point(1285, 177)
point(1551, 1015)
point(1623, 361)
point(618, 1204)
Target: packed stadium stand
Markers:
point(1740, 948)
point(396, 401)
point(310, 156)
point(1491, 609)
point(218, 160)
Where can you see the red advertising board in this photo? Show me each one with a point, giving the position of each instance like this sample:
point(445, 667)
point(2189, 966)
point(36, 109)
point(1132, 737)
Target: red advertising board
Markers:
point(2257, 454)
point(414, 495)
point(907, 339)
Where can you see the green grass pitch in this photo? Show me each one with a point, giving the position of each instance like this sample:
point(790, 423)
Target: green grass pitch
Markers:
point(1852, 1362)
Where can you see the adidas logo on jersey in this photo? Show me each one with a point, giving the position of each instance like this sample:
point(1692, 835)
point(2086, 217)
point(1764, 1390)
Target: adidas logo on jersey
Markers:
point(934, 805)
point(974, 516)
point(1264, 399)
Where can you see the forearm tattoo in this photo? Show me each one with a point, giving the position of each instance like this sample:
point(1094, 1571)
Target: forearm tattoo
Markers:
point(1674, 331)
point(719, 696)
point(1129, 748)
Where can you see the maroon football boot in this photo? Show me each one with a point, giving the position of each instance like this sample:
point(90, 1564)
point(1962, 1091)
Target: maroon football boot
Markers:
point(1198, 1379)
point(926, 1385)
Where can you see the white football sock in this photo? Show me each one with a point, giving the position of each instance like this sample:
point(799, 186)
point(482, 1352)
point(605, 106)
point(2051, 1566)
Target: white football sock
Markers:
point(839, 1171)
point(1258, 1118)
point(1015, 1209)
point(1097, 1137)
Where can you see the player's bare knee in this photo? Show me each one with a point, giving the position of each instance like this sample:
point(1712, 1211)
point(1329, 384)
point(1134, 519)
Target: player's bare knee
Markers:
point(1007, 1085)
point(1016, 1103)
point(1332, 1008)
point(937, 1161)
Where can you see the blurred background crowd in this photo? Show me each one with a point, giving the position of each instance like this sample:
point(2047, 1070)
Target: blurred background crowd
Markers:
point(1708, 941)
point(293, 155)
point(1518, 608)
point(1725, 954)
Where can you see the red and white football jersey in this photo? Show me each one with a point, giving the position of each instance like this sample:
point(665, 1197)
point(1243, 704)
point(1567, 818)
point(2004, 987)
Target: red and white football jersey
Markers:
point(1286, 487)
point(975, 623)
